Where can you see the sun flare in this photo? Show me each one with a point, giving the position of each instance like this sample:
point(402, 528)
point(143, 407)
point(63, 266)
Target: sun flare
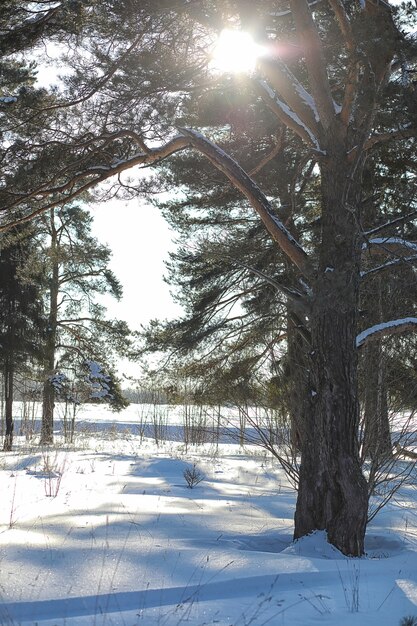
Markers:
point(235, 51)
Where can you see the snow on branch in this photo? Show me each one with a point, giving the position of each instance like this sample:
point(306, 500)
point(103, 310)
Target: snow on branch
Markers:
point(394, 327)
point(285, 83)
point(240, 179)
point(8, 99)
point(390, 244)
point(99, 381)
point(314, 60)
point(389, 265)
point(58, 382)
point(289, 117)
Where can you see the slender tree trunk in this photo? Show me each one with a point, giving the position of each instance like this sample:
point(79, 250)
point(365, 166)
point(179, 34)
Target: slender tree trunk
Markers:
point(377, 433)
point(332, 490)
point(48, 398)
point(8, 389)
point(48, 404)
point(377, 436)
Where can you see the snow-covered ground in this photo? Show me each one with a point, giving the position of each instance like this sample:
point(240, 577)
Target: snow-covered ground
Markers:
point(106, 531)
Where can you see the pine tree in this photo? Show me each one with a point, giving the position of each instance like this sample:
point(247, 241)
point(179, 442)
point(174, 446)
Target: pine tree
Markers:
point(342, 94)
point(76, 267)
point(21, 319)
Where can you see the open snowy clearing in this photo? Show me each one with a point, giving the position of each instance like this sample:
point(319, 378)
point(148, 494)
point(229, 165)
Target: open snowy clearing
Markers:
point(107, 532)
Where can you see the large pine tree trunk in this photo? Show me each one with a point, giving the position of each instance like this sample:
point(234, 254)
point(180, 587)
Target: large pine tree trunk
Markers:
point(332, 490)
point(8, 388)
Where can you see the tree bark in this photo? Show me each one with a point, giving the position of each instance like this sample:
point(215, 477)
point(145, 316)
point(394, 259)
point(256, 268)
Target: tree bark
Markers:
point(8, 386)
point(298, 388)
point(332, 490)
point(48, 404)
point(48, 398)
point(377, 436)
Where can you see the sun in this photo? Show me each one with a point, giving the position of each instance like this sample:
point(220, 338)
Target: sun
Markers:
point(235, 51)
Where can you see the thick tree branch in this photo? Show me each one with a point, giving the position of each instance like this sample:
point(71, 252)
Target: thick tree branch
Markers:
point(284, 83)
point(384, 329)
point(84, 180)
point(351, 91)
point(345, 26)
point(254, 195)
point(314, 61)
point(285, 114)
point(352, 78)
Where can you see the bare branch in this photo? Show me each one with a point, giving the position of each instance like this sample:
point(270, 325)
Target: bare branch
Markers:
point(297, 301)
point(403, 452)
point(389, 265)
point(395, 135)
point(268, 157)
point(398, 220)
point(114, 66)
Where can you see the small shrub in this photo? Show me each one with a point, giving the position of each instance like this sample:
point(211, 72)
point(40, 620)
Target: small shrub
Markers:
point(193, 475)
point(53, 471)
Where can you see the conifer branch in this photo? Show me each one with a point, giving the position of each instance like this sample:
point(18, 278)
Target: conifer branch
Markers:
point(254, 195)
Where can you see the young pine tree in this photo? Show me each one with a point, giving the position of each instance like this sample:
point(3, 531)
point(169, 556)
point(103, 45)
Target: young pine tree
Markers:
point(77, 271)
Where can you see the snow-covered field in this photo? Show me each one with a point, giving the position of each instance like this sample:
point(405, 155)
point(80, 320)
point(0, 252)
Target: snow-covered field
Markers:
point(106, 531)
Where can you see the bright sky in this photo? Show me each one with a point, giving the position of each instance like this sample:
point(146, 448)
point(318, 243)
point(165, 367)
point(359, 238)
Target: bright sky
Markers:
point(135, 231)
point(140, 240)
point(139, 236)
